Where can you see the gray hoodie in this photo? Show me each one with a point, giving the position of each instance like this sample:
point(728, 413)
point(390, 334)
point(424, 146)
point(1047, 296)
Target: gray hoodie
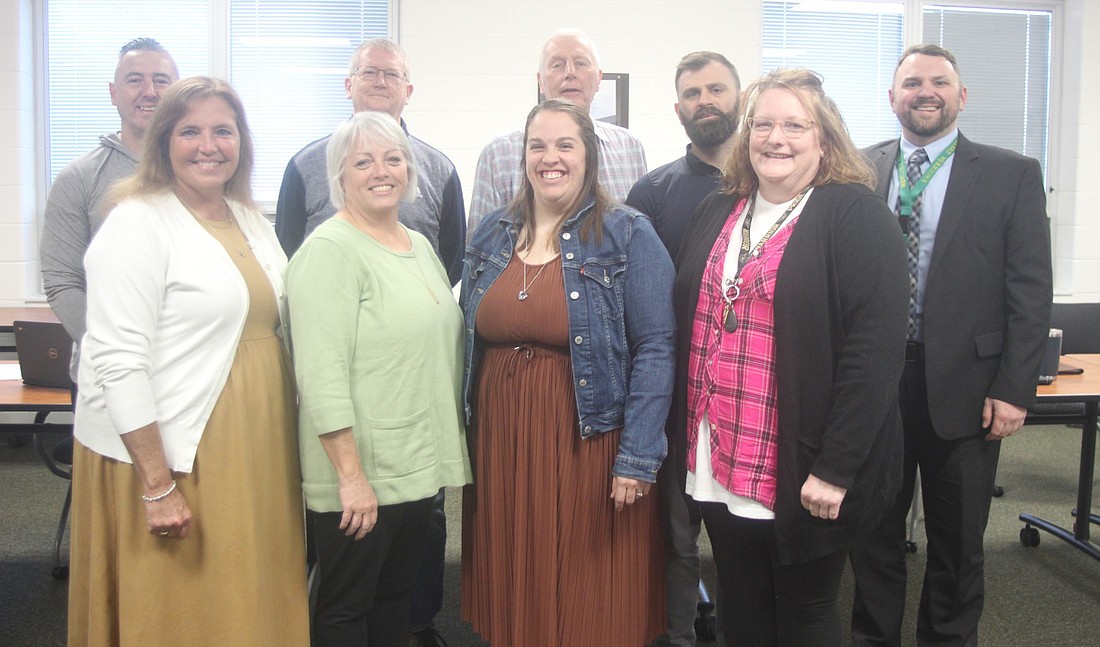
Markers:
point(74, 213)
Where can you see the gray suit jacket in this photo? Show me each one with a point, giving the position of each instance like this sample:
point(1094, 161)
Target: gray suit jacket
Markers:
point(989, 287)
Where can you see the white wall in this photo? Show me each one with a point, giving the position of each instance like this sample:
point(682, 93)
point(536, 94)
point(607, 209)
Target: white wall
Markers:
point(473, 68)
point(474, 62)
point(1076, 194)
point(18, 181)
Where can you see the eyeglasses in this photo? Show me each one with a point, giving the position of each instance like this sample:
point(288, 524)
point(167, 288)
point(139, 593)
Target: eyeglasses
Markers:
point(793, 128)
point(371, 73)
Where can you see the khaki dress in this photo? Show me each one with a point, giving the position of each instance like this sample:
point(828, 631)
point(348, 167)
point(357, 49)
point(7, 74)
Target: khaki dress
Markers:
point(239, 578)
point(546, 559)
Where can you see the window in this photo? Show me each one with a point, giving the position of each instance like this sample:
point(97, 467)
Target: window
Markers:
point(286, 58)
point(853, 46)
point(1004, 56)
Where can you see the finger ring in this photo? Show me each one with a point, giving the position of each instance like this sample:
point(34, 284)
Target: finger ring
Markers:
point(163, 533)
point(638, 494)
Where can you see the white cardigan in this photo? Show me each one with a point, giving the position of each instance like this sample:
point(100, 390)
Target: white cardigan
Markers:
point(166, 307)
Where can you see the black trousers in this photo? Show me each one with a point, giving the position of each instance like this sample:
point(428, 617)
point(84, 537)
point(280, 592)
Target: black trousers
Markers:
point(427, 592)
point(363, 586)
point(767, 603)
point(957, 479)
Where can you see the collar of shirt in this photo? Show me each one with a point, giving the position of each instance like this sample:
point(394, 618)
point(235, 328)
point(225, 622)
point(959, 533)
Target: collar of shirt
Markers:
point(932, 148)
point(698, 166)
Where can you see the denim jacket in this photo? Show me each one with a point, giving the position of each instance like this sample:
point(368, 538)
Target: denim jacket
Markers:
point(621, 323)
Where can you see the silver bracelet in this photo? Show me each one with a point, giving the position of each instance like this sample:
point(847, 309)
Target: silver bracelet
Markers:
point(151, 499)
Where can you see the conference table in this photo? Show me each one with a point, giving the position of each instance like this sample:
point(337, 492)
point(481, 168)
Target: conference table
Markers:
point(1081, 388)
point(18, 397)
point(41, 401)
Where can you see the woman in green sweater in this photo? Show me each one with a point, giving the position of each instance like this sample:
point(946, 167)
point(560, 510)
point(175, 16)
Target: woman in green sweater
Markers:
point(377, 339)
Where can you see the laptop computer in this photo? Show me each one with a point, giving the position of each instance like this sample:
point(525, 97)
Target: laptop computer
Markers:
point(44, 350)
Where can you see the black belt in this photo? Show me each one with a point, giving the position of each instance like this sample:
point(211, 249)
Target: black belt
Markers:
point(914, 351)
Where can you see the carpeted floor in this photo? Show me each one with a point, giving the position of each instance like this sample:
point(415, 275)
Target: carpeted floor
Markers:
point(1049, 595)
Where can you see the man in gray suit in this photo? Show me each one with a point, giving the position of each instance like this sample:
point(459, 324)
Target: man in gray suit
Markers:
point(978, 240)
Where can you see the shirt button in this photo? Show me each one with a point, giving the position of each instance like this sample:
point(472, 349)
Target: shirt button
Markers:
point(578, 340)
point(569, 256)
point(583, 382)
point(574, 295)
point(566, 236)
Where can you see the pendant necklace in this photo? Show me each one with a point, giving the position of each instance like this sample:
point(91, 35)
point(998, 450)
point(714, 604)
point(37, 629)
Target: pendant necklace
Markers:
point(522, 296)
point(226, 225)
point(424, 279)
point(730, 288)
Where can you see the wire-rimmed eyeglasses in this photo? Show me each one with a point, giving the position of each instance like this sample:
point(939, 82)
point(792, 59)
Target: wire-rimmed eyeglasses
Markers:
point(371, 73)
point(793, 128)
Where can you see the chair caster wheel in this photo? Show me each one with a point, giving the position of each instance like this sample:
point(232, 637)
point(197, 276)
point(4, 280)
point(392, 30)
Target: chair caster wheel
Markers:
point(910, 547)
point(60, 573)
point(1029, 536)
point(998, 491)
point(706, 625)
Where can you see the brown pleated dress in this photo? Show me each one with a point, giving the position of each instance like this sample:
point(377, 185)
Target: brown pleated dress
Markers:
point(546, 559)
point(239, 578)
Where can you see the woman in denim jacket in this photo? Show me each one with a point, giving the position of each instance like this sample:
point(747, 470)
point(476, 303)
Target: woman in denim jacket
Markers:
point(568, 379)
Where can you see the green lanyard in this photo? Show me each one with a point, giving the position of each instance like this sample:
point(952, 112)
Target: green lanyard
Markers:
point(908, 194)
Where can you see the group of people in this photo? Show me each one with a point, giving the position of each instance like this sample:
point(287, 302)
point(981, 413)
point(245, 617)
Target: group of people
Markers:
point(768, 337)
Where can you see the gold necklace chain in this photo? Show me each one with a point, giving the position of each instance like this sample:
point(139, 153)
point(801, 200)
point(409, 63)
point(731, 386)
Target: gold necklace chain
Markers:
point(423, 278)
point(209, 224)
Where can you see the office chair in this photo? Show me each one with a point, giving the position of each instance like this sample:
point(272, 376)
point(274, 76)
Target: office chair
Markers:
point(59, 460)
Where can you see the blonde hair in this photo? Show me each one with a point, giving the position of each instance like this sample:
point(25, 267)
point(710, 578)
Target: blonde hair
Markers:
point(842, 162)
point(366, 127)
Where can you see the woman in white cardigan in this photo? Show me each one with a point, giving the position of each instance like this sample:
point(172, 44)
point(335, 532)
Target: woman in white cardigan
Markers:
point(187, 512)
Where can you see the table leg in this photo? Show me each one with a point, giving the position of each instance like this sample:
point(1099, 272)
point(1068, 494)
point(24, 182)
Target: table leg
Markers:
point(1084, 483)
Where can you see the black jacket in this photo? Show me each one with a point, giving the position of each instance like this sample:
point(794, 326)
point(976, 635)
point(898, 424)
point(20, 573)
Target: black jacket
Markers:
point(841, 308)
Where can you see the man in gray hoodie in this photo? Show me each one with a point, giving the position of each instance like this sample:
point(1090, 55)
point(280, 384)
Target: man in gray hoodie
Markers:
point(75, 208)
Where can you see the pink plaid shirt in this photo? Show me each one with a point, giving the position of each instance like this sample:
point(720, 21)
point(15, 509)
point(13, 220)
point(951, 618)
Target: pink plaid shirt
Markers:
point(731, 376)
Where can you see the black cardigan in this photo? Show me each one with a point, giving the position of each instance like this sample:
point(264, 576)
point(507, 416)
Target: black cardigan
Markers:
point(841, 310)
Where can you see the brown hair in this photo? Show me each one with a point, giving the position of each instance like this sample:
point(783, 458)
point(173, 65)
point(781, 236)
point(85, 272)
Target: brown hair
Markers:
point(929, 49)
point(523, 205)
point(696, 61)
point(842, 162)
point(154, 173)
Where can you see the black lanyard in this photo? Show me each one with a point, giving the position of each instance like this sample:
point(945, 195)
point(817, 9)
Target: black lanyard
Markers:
point(731, 289)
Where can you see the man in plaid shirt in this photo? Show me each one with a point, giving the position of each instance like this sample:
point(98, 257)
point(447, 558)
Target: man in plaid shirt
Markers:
point(569, 69)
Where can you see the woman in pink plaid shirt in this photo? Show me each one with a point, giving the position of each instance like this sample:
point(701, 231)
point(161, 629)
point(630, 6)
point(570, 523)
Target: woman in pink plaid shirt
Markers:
point(791, 298)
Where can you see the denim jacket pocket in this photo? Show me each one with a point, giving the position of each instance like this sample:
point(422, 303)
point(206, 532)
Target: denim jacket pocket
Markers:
point(606, 317)
point(607, 275)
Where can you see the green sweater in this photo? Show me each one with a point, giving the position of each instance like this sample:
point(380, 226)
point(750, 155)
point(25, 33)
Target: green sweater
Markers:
point(377, 339)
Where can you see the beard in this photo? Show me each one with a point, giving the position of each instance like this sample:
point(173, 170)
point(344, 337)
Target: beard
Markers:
point(710, 134)
point(911, 120)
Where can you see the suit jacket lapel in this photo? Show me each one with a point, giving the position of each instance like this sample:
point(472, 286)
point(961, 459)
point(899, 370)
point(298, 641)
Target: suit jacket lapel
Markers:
point(882, 160)
point(964, 173)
